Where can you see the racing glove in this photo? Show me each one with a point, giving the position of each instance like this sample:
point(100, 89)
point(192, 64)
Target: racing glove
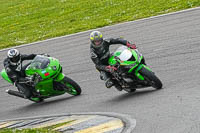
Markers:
point(132, 46)
point(110, 69)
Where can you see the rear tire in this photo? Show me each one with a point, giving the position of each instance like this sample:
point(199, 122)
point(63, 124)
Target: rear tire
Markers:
point(74, 88)
point(151, 77)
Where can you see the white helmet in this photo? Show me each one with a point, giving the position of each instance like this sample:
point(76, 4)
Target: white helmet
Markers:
point(14, 56)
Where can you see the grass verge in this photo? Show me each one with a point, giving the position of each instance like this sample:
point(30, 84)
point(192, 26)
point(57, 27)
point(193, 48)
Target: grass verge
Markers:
point(26, 21)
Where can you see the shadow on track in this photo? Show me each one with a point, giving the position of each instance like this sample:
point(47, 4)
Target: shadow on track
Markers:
point(46, 104)
point(29, 108)
point(138, 93)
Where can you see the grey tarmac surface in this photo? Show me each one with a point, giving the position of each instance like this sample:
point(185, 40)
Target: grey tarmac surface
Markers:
point(171, 46)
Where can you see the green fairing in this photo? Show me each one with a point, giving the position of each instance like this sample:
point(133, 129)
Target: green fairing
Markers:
point(134, 65)
point(112, 61)
point(137, 61)
point(53, 62)
point(5, 76)
point(60, 77)
point(45, 86)
point(137, 73)
point(140, 67)
point(147, 68)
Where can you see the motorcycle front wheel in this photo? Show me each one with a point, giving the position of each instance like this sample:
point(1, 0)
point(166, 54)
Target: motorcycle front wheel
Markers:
point(72, 87)
point(151, 78)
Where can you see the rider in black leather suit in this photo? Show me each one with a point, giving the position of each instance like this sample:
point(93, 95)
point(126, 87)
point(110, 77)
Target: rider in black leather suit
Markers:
point(15, 71)
point(99, 52)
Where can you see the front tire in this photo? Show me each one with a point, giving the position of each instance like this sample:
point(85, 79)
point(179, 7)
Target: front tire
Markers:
point(72, 87)
point(151, 78)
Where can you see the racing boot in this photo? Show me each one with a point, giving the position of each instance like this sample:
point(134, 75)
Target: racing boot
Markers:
point(109, 83)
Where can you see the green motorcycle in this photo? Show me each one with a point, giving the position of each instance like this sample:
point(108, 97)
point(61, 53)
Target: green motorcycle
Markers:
point(46, 78)
point(131, 72)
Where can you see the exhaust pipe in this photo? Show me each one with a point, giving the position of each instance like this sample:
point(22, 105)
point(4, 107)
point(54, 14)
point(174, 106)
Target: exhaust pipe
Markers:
point(15, 93)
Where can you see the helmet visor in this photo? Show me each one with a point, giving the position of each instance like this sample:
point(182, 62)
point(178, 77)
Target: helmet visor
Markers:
point(15, 59)
point(97, 42)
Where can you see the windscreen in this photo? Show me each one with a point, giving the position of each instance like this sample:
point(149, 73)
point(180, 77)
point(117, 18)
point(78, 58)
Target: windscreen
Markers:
point(125, 55)
point(121, 48)
point(39, 62)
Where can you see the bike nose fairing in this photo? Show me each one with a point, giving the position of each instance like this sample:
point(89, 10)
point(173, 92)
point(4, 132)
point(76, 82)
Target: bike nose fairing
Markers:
point(46, 67)
point(125, 55)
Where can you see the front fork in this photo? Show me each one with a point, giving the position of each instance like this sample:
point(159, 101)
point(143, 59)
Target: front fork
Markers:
point(137, 74)
point(60, 77)
point(58, 82)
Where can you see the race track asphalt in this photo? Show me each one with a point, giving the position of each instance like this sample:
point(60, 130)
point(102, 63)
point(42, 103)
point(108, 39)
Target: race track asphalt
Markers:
point(171, 47)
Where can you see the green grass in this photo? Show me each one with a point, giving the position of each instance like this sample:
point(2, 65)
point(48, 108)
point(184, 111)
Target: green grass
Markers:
point(25, 21)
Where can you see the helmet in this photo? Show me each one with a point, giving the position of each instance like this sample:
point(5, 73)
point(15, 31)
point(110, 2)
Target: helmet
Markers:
point(96, 39)
point(14, 56)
